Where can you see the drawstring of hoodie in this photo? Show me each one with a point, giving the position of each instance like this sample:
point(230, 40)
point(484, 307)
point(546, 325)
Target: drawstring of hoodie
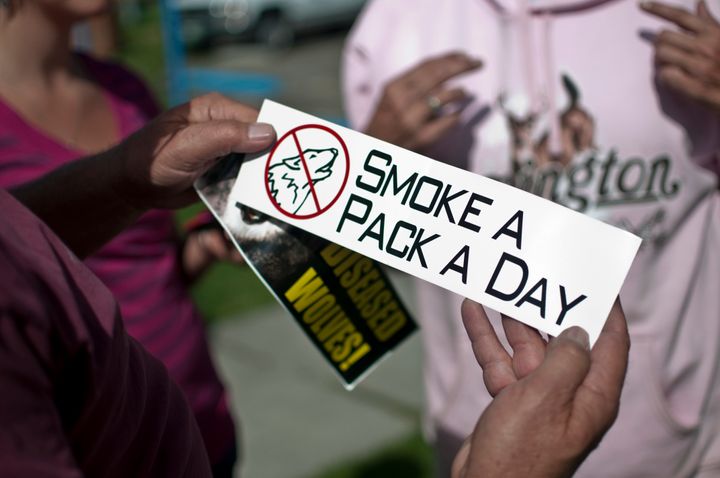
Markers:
point(526, 34)
point(551, 81)
point(542, 100)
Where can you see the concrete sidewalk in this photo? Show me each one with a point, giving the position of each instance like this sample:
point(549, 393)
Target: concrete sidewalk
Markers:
point(297, 420)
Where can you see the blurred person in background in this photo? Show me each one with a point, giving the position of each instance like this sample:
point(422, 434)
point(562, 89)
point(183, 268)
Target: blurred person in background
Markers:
point(609, 111)
point(99, 36)
point(56, 106)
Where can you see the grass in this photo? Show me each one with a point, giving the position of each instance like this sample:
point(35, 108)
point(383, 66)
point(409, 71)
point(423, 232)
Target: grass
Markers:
point(227, 290)
point(411, 457)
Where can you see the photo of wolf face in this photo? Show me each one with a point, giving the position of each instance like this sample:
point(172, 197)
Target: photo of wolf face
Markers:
point(275, 249)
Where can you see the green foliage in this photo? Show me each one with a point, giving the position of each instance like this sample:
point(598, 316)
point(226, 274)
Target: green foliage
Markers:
point(227, 290)
point(411, 457)
point(141, 48)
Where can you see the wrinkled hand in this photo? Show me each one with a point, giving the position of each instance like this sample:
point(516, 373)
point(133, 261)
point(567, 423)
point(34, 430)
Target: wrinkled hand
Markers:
point(688, 60)
point(410, 112)
point(157, 166)
point(553, 402)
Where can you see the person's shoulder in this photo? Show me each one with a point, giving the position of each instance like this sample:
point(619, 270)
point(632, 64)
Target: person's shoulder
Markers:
point(395, 11)
point(122, 82)
point(394, 7)
point(383, 20)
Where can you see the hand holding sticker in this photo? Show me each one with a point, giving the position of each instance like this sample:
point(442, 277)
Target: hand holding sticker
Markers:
point(553, 402)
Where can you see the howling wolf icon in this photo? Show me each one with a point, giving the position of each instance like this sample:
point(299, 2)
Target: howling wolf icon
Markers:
point(288, 179)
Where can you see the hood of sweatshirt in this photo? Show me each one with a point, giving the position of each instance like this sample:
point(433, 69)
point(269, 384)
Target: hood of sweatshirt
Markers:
point(528, 29)
point(557, 7)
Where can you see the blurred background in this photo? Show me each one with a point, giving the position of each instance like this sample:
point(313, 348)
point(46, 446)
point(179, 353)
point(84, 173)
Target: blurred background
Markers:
point(296, 419)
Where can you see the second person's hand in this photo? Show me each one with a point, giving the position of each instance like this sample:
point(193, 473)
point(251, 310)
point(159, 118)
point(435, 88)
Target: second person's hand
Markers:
point(688, 58)
point(412, 110)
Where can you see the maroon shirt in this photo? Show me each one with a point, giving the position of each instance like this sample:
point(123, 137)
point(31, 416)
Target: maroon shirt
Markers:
point(140, 265)
point(78, 396)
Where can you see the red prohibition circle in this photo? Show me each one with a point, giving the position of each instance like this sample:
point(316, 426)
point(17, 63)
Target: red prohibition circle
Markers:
point(293, 133)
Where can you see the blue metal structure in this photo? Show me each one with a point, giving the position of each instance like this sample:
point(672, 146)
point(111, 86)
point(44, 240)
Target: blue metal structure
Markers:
point(183, 80)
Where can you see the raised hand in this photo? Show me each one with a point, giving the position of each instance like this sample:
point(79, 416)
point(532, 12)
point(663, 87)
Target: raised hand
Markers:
point(688, 59)
point(411, 112)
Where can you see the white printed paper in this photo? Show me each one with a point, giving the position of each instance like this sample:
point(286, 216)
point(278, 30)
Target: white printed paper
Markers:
point(534, 260)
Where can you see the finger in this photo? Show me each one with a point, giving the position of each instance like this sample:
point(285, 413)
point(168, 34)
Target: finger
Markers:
point(236, 257)
point(566, 364)
point(704, 13)
point(682, 41)
point(527, 344)
point(214, 242)
point(420, 110)
point(201, 144)
point(459, 465)
point(679, 80)
point(214, 107)
point(431, 73)
point(700, 67)
point(431, 132)
point(678, 16)
point(446, 96)
point(603, 385)
point(489, 352)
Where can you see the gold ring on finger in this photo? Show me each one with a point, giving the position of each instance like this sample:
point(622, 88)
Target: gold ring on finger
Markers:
point(434, 104)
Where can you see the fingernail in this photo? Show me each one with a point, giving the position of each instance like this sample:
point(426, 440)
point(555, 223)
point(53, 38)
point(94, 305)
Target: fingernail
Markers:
point(648, 35)
point(577, 335)
point(260, 131)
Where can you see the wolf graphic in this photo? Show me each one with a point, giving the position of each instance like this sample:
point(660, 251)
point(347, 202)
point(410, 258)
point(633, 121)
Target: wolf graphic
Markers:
point(288, 179)
point(530, 146)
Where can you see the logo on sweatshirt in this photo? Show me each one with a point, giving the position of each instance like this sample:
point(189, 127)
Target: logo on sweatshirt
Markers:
point(307, 171)
point(558, 158)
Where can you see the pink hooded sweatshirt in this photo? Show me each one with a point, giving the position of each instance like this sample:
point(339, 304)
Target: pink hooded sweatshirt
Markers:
point(566, 106)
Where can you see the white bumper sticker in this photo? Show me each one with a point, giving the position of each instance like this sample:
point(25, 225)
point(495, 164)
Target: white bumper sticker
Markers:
point(522, 255)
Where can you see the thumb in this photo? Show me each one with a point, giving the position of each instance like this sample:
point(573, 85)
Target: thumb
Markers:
point(566, 364)
point(202, 143)
point(460, 462)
